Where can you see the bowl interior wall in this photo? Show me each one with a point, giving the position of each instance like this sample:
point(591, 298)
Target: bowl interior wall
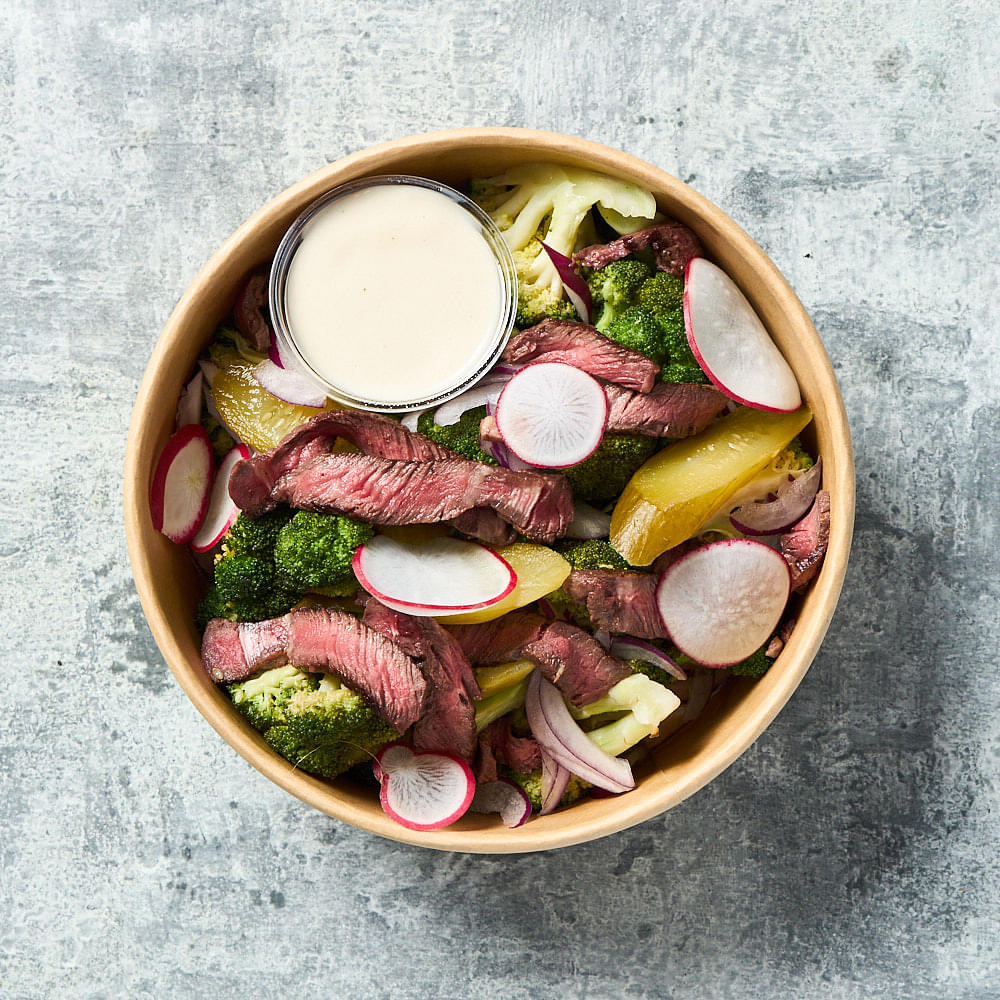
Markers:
point(170, 586)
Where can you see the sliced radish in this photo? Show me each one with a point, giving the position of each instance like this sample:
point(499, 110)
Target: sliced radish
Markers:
point(576, 288)
point(221, 509)
point(289, 385)
point(504, 797)
point(189, 405)
point(721, 602)
point(588, 522)
point(791, 503)
point(422, 790)
point(552, 415)
point(731, 343)
point(437, 577)
point(182, 484)
point(558, 734)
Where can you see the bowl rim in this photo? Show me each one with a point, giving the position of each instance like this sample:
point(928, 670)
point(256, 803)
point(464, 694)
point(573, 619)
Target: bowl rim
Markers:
point(625, 811)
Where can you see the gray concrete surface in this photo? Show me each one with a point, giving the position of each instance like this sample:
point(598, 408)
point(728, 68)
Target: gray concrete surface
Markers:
point(853, 852)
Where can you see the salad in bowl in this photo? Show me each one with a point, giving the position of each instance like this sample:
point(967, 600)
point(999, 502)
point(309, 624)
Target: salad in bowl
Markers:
point(504, 603)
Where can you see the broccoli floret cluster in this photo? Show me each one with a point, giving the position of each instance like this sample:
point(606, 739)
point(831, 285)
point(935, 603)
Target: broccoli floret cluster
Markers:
point(246, 587)
point(652, 671)
point(642, 309)
point(461, 436)
point(265, 564)
point(566, 609)
point(531, 785)
point(595, 553)
point(314, 551)
point(599, 479)
point(314, 722)
point(755, 665)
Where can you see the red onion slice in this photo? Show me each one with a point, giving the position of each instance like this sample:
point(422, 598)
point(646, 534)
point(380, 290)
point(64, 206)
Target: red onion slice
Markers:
point(289, 385)
point(588, 522)
point(189, 405)
point(558, 734)
point(504, 797)
point(576, 288)
point(555, 778)
point(483, 393)
point(772, 517)
point(627, 648)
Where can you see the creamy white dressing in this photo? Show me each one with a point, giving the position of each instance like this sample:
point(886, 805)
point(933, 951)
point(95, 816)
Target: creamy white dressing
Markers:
point(394, 294)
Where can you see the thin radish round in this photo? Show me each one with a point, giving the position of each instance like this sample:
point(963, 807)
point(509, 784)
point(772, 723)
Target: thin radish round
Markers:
point(422, 790)
point(289, 385)
point(504, 797)
point(722, 601)
point(438, 577)
point(221, 509)
point(552, 415)
point(731, 343)
point(182, 484)
point(791, 503)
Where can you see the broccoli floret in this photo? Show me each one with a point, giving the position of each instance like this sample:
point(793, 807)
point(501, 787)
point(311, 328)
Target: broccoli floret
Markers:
point(262, 699)
point(566, 609)
point(535, 203)
point(755, 665)
point(639, 330)
point(601, 478)
point(662, 294)
point(315, 550)
point(462, 436)
point(652, 671)
point(614, 288)
point(246, 586)
point(531, 784)
point(319, 725)
point(595, 553)
point(800, 459)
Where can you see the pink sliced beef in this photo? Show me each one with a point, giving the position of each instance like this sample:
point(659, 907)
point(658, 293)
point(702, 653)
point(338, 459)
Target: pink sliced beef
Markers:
point(623, 603)
point(671, 409)
point(323, 640)
point(672, 243)
point(498, 745)
point(390, 492)
point(449, 720)
point(248, 312)
point(583, 347)
point(805, 545)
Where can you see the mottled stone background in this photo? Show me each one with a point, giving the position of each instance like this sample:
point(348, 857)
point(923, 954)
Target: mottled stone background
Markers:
point(853, 852)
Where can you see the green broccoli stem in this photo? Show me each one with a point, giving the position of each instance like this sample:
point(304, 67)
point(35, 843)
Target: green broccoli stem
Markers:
point(496, 705)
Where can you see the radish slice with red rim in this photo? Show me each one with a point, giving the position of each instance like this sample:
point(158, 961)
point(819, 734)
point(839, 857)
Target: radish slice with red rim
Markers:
point(189, 405)
point(576, 288)
point(221, 509)
point(423, 790)
point(502, 796)
point(289, 385)
point(791, 503)
point(182, 484)
point(440, 576)
point(722, 601)
point(558, 734)
point(555, 778)
point(552, 415)
point(731, 343)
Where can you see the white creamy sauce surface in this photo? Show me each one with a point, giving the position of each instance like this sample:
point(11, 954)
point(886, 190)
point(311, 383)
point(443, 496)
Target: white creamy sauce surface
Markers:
point(394, 294)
